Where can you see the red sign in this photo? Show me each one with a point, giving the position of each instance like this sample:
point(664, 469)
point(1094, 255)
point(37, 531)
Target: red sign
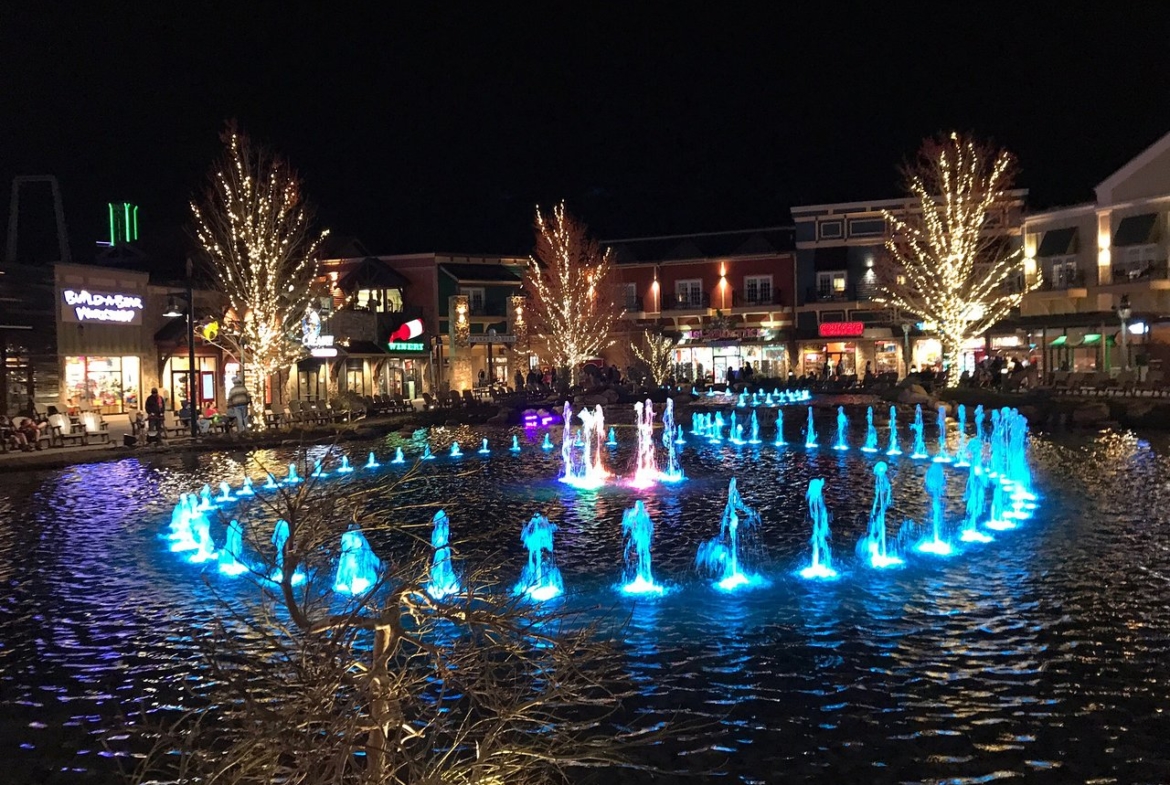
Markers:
point(841, 329)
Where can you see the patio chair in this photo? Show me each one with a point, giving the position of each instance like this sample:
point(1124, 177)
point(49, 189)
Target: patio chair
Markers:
point(95, 426)
point(63, 431)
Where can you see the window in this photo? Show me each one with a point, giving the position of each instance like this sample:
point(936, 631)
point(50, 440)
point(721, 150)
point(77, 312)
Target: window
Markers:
point(831, 285)
point(630, 297)
point(380, 300)
point(475, 298)
point(1134, 262)
point(108, 384)
point(690, 292)
point(1062, 272)
point(757, 289)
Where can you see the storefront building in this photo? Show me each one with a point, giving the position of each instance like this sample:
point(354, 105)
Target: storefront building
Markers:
point(849, 348)
point(727, 298)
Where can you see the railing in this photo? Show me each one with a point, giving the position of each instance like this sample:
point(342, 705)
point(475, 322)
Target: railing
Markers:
point(747, 300)
point(682, 302)
point(1151, 271)
point(1073, 280)
point(488, 309)
point(633, 304)
point(816, 295)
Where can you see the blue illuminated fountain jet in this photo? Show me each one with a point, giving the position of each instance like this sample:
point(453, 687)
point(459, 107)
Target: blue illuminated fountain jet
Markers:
point(344, 468)
point(372, 462)
point(398, 456)
point(724, 557)
point(735, 431)
point(919, 451)
point(646, 466)
point(280, 534)
point(638, 531)
point(871, 436)
point(821, 566)
point(427, 454)
point(936, 487)
point(975, 495)
point(810, 432)
point(941, 456)
point(612, 440)
point(779, 429)
point(962, 454)
point(842, 442)
point(443, 582)
point(484, 450)
point(205, 502)
point(979, 424)
point(540, 579)
point(547, 444)
point(672, 472)
point(318, 472)
point(456, 452)
point(270, 483)
point(231, 556)
point(204, 550)
point(357, 567)
point(180, 535)
point(225, 494)
point(246, 489)
point(755, 435)
point(893, 448)
point(875, 547)
point(515, 444)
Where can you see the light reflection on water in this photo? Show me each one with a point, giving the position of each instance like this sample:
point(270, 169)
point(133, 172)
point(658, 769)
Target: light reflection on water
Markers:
point(1041, 655)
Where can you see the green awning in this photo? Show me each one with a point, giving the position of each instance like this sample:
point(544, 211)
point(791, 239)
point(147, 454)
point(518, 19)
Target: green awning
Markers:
point(1058, 242)
point(1060, 341)
point(1136, 230)
point(1093, 339)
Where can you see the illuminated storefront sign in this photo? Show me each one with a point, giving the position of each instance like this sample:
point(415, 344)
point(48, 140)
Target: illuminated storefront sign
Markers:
point(406, 346)
point(87, 306)
point(725, 334)
point(841, 329)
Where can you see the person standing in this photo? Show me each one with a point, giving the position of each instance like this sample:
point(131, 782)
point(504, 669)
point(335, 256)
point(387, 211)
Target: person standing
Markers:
point(238, 402)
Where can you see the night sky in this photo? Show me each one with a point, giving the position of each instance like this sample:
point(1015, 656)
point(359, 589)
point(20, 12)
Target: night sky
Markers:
point(423, 127)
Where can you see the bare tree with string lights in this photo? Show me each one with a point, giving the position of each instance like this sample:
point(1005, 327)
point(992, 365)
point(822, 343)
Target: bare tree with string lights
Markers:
point(570, 286)
point(948, 262)
point(656, 352)
point(254, 229)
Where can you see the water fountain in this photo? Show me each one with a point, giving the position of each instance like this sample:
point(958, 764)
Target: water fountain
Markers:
point(372, 462)
point(755, 437)
point(975, 494)
point(893, 448)
point(225, 494)
point(484, 450)
point(672, 472)
point(540, 579)
point(180, 534)
point(646, 471)
point(292, 478)
point(318, 472)
point(962, 457)
point(874, 546)
point(587, 469)
point(735, 430)
point(280, 534)
point(810, 432)
point(246, 489)
point(821, 566)
point(941, 456)
point(398, 458)
point(232, 555)
point(779, 429)
point(443, 582)
point(979, 423)
point(456, 451)
point(357, 566)
point(612, 440)
point(547, 443)
point(842, 442)
point(724, 557)
point(638, 531)
point(741, 401)
point(205, 502)
point(871, 437)
point(916, 427)
point(1001, 519)
point(515, 444)
point(270, 483)
point(936, 487)
point(204, 549)
point(696, 424)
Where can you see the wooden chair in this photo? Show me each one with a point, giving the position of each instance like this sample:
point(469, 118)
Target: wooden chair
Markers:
point(1075, 380)
point(1124, 383)
point(95, 427)
point(62, 431)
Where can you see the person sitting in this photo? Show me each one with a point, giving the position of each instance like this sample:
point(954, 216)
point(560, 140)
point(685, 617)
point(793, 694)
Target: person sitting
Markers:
point(185, 413)
point(31, 433)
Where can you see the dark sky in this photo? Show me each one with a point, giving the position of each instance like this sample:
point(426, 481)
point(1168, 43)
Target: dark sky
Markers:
point(439, 126)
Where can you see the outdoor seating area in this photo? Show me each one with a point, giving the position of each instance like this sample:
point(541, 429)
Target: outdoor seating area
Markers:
point(1126, 382)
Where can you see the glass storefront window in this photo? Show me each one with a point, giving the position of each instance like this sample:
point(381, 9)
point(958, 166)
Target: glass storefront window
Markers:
point(176, 374)
point(111, 385)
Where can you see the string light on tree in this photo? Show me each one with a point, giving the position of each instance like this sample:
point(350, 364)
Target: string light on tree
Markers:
point(254, 228)
point(657, 353)
point(946, 262)
point(569, 281)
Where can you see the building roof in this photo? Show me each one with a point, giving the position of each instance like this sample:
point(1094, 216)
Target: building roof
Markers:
point(708, 245)
point(372, 273)
point(485, 273)
point(1105, 189)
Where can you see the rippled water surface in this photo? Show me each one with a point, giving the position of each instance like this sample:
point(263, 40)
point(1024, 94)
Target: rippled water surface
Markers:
point(1044, 655)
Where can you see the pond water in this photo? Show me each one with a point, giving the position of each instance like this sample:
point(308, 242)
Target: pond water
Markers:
point(1041, 655)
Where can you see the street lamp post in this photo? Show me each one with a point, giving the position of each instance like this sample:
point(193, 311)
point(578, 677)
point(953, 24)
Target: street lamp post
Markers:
point(1124, 311)
point(906, 351)
point(491, 333)
point(192, 377)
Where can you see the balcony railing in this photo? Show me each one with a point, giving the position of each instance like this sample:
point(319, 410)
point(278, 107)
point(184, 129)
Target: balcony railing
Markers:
point(1150, 271)
point(817, 295)
point(1058, 283)
point(683, 302)
point(488, 309)
point(752, 299)
point(633, 304)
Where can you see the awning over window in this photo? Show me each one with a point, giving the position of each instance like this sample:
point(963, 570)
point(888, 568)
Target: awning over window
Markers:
point(1059, 341)
point(1094, 339)
point(1058, 242)
point(1136, 230)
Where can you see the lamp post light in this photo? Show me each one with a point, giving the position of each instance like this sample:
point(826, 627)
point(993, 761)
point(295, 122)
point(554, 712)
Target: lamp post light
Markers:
point(192, 377)
point(1124, 311)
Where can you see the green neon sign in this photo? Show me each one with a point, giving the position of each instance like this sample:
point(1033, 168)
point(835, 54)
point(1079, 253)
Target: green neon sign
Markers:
point(406, 346)
point(123, 223)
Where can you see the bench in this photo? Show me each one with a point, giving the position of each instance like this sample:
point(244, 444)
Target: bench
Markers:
point(62, 430)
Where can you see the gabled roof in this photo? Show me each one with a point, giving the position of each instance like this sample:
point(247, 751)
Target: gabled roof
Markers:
point(372, 273)
point(1134, 165)
point(481, 273)
point(708, 245)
